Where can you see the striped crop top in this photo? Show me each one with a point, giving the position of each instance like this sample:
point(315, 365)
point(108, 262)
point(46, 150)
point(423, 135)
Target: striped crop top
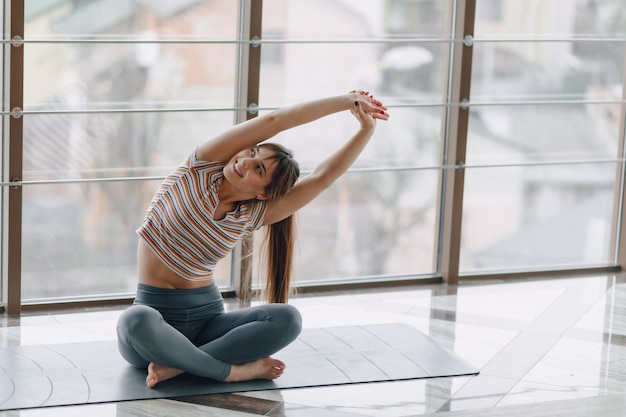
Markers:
point(179, 224)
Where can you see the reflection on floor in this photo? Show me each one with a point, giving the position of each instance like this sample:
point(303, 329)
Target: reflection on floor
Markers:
point(545, 348)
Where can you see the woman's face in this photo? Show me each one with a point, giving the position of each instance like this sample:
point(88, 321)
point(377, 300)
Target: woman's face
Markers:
point(250, 171)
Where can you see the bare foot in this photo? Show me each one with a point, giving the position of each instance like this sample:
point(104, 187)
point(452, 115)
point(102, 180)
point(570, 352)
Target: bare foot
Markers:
point(159, 373)
point(266, 368)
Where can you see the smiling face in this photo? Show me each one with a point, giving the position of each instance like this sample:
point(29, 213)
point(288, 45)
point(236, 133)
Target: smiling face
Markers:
point(250, 171)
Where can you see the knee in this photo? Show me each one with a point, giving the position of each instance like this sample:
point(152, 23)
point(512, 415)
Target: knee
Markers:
point(137, 320)
point(290, 319)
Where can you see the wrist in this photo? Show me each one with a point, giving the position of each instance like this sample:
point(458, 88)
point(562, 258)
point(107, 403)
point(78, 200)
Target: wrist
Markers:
point(351, 99)
point(368, 126)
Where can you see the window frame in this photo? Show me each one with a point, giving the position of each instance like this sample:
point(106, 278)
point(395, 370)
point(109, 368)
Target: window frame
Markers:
point(454, 142)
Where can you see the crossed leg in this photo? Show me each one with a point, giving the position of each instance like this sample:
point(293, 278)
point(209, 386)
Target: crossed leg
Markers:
point(234, 346)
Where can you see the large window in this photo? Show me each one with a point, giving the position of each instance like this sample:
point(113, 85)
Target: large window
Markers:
point(117, 93)
point(379, 220)
point(116, 103)
point(544, 137)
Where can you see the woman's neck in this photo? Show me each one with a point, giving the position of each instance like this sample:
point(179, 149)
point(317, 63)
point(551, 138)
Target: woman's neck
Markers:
point(230, 196)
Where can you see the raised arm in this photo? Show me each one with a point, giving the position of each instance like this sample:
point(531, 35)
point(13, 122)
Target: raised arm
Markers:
point(367, 110)
point(250, 133)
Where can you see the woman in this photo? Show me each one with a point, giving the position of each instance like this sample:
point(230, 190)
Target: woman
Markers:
point(229, 187)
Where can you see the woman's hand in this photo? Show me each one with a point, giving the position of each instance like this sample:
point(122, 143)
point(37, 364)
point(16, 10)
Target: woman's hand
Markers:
point(367, 109)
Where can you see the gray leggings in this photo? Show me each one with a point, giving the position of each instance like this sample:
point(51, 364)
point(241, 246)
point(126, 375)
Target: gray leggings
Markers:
point(189, 330)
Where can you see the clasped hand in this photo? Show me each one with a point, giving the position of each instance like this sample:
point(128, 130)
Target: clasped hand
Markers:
point(367, 109)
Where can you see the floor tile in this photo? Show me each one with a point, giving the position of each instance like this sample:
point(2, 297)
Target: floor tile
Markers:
point(520, 355)
point(582, 365)
point(606, 406)
point(482, 391)
point(529, 392)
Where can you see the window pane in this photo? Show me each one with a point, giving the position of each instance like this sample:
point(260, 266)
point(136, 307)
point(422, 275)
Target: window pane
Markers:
point(551, 17)
point(354, 19)
point(547, 71)
point(538, 133)
point(366, 226)
point(369, 225)
point(407, 71)
point(79, 239)
point(411, 140)
point(139, 72)
point(113, 145)
point(91, 19)
point(70, 228)
point(537, 217)
point(75, 76)
point(405, 74)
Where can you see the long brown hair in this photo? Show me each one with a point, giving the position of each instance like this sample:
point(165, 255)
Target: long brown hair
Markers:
point(281, 236)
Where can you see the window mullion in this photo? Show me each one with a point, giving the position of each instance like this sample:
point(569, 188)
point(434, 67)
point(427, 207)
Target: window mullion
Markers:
point(455, 141)
point(13, 215)
point(247, 97)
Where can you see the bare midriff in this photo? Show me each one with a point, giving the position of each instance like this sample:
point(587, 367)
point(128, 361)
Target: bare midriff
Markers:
point(152, 271)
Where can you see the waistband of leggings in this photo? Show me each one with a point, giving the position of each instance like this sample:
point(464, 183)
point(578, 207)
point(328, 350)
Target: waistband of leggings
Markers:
point(177, 299)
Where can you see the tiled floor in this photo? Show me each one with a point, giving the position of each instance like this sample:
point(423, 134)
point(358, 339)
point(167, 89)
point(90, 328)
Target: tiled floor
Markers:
point(545, 348)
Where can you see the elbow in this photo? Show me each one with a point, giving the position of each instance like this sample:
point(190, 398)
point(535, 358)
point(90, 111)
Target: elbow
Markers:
point(272, 118)
point(275, 122)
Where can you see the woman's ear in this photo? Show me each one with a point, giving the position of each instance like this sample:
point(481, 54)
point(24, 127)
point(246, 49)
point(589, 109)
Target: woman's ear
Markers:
point(262, 196)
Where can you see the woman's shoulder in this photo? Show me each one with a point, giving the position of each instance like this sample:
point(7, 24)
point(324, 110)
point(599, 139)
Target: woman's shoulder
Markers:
point(200, 166)
point(194, 159)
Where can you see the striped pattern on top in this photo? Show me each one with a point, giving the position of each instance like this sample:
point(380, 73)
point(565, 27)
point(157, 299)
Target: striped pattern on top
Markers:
point(179, 224)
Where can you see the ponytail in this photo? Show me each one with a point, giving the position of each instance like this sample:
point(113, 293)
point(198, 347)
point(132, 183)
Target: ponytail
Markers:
point(280, 236)
point(279, 248)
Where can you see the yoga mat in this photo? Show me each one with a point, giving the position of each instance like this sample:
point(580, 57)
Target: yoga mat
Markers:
point(94, 372)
